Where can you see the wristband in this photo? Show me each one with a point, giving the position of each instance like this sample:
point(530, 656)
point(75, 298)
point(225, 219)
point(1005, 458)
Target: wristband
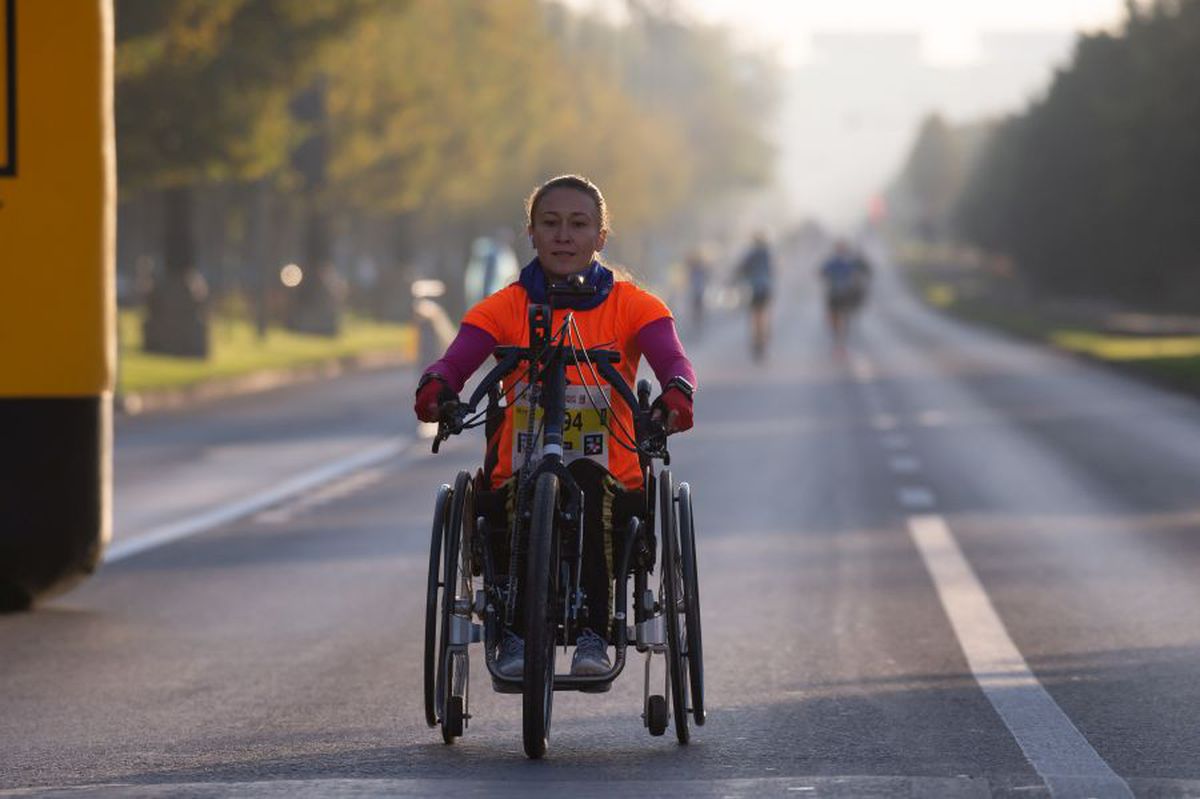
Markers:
point(682, 384)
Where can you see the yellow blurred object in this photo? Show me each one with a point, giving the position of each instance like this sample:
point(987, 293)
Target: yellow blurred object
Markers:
point(57, 317)
point(57, 184)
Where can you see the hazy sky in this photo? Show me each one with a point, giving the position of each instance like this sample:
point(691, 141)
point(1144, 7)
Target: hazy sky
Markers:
point(948, 27)
point(851, 104)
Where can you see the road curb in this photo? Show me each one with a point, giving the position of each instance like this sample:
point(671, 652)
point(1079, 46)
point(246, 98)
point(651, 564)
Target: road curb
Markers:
point(140, 402)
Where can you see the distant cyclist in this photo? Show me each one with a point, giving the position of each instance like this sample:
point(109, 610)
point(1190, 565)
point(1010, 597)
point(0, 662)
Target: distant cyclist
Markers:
point(758, 273)
point(846, 275)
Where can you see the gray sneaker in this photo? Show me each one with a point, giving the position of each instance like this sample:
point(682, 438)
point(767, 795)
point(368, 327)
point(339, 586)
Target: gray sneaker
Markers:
point(510, 657)
point(591, 655)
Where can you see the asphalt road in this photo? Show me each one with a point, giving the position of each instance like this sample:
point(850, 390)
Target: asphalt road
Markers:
point(941, 564)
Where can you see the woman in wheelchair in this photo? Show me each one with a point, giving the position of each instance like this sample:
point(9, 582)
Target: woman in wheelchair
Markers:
point(567, 224)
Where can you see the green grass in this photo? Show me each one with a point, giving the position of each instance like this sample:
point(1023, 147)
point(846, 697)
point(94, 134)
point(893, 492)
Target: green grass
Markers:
point(1172, 360)
point(236, 350)
point(1110, 347)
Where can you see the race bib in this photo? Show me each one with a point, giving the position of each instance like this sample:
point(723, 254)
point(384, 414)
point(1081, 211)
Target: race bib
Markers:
point(585, 434)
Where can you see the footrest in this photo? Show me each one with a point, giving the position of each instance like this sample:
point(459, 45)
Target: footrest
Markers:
point(505, 687)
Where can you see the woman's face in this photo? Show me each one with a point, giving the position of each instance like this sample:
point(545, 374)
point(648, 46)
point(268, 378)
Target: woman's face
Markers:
point(565, 231)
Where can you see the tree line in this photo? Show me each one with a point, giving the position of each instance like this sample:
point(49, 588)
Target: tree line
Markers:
point(1094, 189)
point(391, 133)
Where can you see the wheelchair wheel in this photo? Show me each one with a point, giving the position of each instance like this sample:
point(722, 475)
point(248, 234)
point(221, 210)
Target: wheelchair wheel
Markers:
point(540, 619)
point(458, 594)
point(441, 514)
point(691, 598)
point(671, 596)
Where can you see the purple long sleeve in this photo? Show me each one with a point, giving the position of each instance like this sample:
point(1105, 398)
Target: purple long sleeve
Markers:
point(466, 353)
point(664, 351)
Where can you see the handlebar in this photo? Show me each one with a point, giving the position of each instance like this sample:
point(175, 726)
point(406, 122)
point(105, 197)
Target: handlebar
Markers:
point(653, 441)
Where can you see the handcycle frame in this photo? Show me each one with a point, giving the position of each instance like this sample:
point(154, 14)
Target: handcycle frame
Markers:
point(548, 358)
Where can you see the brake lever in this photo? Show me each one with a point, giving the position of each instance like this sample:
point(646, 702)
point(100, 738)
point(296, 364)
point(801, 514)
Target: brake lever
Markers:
point(450, 422)
point(655, 443)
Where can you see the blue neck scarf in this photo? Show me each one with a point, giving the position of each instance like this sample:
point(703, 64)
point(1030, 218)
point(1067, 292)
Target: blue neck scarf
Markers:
point(596, 275)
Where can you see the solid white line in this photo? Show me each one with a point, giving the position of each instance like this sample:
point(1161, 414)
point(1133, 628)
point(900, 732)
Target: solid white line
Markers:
point(1054, 747)
point(286, 511)
point(224, 514)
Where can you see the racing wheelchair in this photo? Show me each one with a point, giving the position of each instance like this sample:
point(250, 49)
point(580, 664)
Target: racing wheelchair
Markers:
point(471, 600)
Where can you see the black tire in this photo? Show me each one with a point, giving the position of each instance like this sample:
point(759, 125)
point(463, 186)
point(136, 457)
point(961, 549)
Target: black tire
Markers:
point(691, 598)
point(455, 718)
point(657, 715)
point(671, 597)
point(453, 668)
point(540, 592)
point(433, 625)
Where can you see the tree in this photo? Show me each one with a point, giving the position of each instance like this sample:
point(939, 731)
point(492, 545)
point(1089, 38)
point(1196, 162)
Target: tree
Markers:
point(1095, 189)
point(203, 88)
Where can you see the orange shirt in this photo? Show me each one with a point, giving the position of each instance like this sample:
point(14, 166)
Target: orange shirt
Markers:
point(612, 325)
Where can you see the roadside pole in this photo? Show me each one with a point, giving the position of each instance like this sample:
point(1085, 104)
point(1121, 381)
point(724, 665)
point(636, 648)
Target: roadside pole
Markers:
point(434, 330)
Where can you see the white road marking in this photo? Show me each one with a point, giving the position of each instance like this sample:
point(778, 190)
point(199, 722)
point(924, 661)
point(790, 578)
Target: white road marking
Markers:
point(275, 516)
point(916, 497)
point(1061, 755)
point(904, 464)
point(322, 496)
point(263, 499)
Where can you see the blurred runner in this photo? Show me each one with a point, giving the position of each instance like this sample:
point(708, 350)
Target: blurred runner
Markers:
point(756, 270)
point(847, 275)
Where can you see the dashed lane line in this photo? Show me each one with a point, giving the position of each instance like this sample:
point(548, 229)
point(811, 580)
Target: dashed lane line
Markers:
point(916, 497)
point(1061, 755)
point(261, 500)
point(904, 464)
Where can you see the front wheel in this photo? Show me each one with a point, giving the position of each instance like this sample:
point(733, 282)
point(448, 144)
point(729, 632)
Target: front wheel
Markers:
point(433, 701)
point(458, 593)
point(671, 598)
point(540, 591)
point(691, 601)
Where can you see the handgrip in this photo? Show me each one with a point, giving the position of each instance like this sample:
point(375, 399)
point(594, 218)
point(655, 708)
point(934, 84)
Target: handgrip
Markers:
point(451, 416)
point(643, 394)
